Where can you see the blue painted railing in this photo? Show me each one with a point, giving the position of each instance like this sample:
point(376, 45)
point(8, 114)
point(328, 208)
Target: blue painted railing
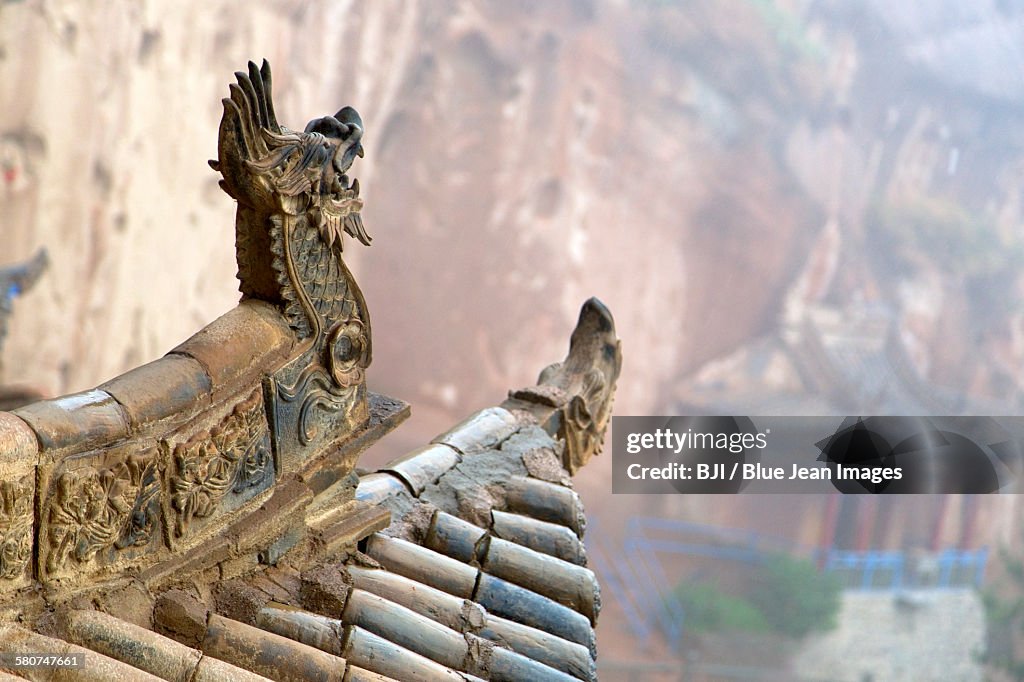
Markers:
point(872, 570)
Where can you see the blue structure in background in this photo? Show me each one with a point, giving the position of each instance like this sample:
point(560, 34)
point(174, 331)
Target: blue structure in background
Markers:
point(16, 279)
point(871, 570)
point(635, 575)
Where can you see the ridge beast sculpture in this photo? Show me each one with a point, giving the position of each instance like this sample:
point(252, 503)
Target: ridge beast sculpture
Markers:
point(580, 390)
point(294, 201)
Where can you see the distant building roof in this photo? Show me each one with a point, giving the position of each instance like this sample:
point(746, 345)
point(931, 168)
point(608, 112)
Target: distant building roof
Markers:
point(829, 360)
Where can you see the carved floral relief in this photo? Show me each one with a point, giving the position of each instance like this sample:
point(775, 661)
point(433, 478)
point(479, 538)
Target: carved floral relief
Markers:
point(15, 526)
point(93, 509)
point(232, 457)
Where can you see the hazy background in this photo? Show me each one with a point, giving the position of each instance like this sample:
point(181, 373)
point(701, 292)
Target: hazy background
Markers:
point(789, 206)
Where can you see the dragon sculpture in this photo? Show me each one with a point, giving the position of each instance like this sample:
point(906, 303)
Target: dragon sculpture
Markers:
point(294, 202)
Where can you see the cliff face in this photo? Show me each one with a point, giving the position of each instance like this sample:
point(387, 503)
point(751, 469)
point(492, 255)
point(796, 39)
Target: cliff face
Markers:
point(520, 157)
point(674, 160)
point(109, 115)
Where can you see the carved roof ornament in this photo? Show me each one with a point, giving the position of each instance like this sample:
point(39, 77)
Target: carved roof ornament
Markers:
point(295, 200)
point(581, 388)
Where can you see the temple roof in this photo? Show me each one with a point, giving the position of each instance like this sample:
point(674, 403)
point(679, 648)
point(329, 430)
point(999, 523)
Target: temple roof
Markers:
point(479, 572)
point(201, 517)
point(462, 560)
point(831, 359)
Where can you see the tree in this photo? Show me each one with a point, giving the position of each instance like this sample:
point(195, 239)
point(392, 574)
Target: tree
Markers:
point(785, 594)
point(794, 596)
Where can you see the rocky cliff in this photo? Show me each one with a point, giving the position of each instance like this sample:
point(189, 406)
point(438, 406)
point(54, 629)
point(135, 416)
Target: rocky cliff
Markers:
point(519, 156)
point(675, 160)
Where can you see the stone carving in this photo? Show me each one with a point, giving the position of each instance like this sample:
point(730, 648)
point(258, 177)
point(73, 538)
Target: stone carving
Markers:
point(295, 201)
point(312, 392)
point(234, 456)
point(15, 526)
point(93, 509)
point(582, 387)
point(138, 530)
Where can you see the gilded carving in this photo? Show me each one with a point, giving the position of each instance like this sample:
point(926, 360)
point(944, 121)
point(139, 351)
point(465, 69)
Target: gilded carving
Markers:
point(231, 457)
point(295, 204)
point(94, 509)
point(15, 526)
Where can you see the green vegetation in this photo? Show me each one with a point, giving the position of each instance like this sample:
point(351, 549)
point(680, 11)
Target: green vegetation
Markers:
point(1004, 615)
point(943, 232)
point(708, 609)
point(787, 595)
point(795, 598)
point(788, 30)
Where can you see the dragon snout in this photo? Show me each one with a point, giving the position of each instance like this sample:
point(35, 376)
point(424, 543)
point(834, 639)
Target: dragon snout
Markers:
point(346, 125)
point(350, 116)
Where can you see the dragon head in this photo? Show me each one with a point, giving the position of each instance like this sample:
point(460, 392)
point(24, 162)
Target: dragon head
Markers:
point(345, 131)
point(269, 168)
